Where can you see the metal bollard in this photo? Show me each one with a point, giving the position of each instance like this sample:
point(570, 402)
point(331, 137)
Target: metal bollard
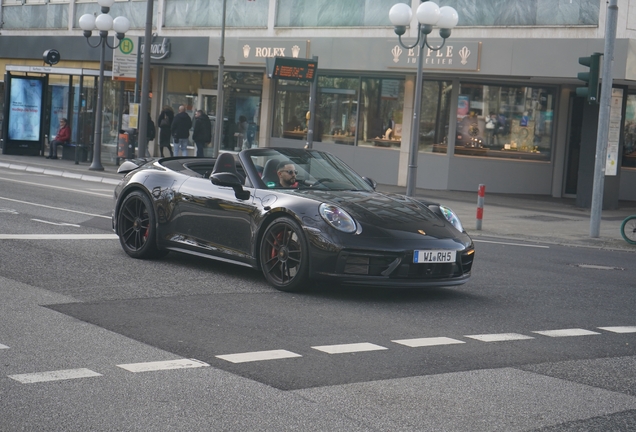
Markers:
point(481, 193)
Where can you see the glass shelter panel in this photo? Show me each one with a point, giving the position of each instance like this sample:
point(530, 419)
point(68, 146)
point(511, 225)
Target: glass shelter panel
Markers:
point(629, 145)
point(505, 121)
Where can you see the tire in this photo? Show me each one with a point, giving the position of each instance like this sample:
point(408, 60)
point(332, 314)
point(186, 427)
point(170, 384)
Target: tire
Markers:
point(628, 229)
point(284, 255)
point(136, 227)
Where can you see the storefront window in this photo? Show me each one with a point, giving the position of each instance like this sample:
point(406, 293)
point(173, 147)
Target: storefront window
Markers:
point(378, 122)
point(337, 108)
point(629, 145)
point(505, 122)
point(290, 109)
point(434, 116)
point(241, 106)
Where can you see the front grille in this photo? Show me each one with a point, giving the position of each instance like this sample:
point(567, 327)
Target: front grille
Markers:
point(365, 264)
point(403, 267)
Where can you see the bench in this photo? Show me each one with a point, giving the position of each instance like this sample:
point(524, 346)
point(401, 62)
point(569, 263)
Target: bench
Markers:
point(68, 152)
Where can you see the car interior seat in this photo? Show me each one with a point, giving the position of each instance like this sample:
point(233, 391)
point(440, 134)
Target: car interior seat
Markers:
point(225, 163)
point(270, 173)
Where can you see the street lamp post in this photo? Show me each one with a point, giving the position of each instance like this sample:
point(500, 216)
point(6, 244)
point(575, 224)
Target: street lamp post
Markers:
point(104, 23)
point(428, 15)
point(218, 125)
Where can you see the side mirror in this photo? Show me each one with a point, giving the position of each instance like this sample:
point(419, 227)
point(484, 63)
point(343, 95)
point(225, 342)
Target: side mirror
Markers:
point(371, 182)
point(230, 180)
point(126, 167)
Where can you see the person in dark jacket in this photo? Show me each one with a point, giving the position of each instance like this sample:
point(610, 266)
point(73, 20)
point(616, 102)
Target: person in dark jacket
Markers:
point(165, 122)
point(202, 134)
point(181, 131)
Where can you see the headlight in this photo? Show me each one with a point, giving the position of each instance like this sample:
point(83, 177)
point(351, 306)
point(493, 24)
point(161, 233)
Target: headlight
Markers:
point(452, 218)
point(337, 218)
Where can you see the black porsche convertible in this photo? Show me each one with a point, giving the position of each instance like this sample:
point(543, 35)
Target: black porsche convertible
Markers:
point(297, 215)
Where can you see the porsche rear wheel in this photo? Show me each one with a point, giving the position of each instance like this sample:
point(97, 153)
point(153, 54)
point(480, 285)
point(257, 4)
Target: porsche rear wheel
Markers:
point(284, 255)
point(136, 227)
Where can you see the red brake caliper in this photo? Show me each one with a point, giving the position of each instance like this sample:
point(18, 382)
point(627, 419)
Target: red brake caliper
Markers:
point(277, 240)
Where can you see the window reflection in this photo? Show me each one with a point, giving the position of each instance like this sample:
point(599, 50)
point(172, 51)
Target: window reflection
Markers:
point(349, 111)
point(507, 122)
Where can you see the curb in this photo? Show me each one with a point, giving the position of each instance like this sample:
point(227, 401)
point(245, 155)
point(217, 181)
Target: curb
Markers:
point(59, 173)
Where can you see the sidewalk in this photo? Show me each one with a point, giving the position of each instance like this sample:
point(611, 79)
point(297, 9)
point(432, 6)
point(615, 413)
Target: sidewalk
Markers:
point(541, 219)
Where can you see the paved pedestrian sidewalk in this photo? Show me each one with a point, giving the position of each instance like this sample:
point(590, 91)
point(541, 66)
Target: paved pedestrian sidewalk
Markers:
point(541, 219)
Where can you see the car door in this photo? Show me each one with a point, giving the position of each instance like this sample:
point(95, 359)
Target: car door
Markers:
point(213, 221)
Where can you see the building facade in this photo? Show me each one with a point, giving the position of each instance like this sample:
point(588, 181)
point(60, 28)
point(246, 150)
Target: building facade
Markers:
point(498, 103)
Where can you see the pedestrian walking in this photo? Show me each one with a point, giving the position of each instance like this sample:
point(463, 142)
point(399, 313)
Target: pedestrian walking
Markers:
point(165, 122)
point(180, 129)
point(202, 133)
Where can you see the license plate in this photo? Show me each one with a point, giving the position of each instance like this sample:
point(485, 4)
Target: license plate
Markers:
point(434, 256)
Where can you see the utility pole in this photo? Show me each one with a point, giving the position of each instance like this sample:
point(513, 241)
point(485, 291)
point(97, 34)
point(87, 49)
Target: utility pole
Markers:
point(142, 137)
point(603, 120)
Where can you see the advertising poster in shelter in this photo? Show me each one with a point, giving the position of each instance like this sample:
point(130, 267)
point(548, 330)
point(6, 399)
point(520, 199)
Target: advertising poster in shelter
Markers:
point(25, 109)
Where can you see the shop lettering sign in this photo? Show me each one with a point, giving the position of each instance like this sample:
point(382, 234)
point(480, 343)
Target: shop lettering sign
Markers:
point(455, 55)
point(256, 50)
point(158, 50)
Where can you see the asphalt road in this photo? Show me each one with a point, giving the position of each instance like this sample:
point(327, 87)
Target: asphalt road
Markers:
point(542, 338)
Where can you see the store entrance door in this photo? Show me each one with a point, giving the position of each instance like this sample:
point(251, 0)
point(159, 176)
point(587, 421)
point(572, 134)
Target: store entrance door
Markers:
point(574, 146)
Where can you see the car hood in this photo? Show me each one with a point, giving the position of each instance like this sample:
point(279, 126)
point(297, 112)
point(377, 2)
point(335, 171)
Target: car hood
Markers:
point(379, 213)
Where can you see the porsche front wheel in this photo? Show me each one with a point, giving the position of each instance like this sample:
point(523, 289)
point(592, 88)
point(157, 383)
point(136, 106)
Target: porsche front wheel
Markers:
point(284, 255)
point(136, 226)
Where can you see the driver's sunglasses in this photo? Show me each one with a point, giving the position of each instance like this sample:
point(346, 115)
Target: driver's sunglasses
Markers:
point(290, 172)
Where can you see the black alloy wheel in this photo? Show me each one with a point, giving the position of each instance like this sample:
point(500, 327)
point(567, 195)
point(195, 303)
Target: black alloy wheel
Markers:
point(136, 227)
point(284, 255)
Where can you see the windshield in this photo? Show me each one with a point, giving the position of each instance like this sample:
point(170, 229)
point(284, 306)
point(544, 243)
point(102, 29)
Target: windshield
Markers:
point(288, 168)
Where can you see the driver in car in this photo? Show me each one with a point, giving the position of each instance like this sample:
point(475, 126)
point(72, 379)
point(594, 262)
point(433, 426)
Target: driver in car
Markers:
point(287, 174)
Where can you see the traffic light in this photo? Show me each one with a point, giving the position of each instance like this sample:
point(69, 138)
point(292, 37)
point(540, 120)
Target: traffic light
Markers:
point(591, 78)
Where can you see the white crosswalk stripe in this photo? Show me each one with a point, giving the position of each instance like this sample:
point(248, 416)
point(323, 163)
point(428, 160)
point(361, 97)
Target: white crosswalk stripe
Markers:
point(620, 329)
point(499, 337)
point(163, 365)
point(349, 348)
point(3, 346)
point(258, 356)
point(566, 332)
point(58, 375)
point(431, 341)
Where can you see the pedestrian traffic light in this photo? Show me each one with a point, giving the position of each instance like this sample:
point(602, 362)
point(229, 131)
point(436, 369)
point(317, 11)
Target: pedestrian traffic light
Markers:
point(591, 78)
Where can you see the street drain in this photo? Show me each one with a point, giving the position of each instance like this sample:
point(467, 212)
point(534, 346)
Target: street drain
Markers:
point(598, 267)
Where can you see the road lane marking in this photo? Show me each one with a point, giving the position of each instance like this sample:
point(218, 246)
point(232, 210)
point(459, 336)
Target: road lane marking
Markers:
point(56, 208)
point(3, 346)
point(511, 244)
point(566, 332)
point(431, 341)
point(41, 185)
point(54, 375)
point(163, 365)
point(349, 348)
point(58, 236)
point(258, 356)
point(499, 337)
point(56, 223)
point(619, 329)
